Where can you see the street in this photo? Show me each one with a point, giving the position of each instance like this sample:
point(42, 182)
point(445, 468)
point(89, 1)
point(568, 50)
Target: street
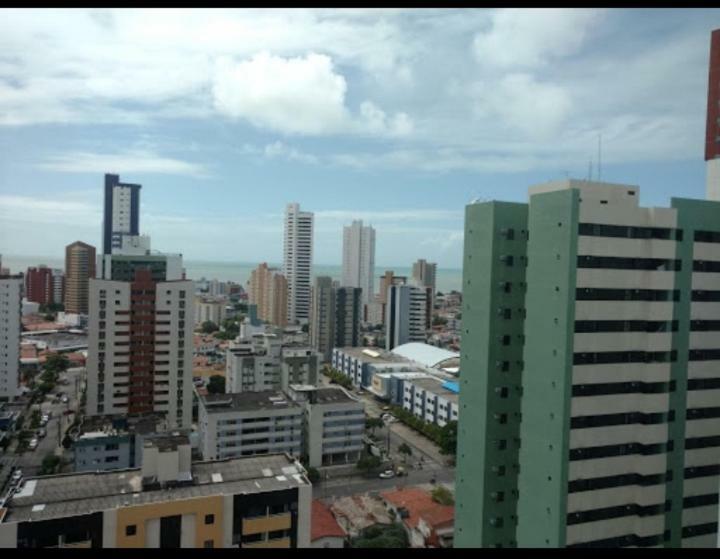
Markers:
point(31, 460)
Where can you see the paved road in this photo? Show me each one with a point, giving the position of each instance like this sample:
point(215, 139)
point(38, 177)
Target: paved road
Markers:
point(31, 460)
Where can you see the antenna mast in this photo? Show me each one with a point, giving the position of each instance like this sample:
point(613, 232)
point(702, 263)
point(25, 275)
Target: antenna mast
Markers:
point(599, 157)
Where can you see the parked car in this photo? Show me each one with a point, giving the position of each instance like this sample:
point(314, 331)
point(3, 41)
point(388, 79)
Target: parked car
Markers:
point(387, 474)
point(41, 433)
point(65, 400)
point(17, 476)
point(32, 445)
point(386, 408)
point(68, 412)
point(400, 471)
point(44, 421)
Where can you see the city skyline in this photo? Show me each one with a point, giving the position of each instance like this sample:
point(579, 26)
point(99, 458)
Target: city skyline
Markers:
point(212, 159)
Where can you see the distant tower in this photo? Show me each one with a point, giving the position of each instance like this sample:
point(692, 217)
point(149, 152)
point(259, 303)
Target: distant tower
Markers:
point(712, 130)
point(121, 214)
point(358, 267)
point(297, 262)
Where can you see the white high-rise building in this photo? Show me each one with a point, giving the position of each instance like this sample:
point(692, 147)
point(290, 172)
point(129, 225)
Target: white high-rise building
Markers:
point(358, 267)
point(140, 347)
point(10, 312)
point(405, 315)
point(297, 261)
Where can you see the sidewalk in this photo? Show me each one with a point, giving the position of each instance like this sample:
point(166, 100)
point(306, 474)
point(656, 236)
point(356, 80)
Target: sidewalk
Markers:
point(419, 441)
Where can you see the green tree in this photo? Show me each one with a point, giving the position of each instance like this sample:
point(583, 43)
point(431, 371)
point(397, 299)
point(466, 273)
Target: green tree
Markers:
point(391, 536)
point(35, 419)
point(208, 327)
point(439, 321)
point(405, 450)
point(443, 495)
point(313, 475)
point(216, 384)
point(56, 363)
point(447, 439)
point(373, 423)
point(368, 463)
point(224, 335)
point(50, 465)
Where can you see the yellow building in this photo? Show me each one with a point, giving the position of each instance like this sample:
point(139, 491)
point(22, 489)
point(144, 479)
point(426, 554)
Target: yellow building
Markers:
point(248, 502)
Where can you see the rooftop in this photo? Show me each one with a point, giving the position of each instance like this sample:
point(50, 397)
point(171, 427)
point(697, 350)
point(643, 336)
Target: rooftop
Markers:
point(419, 504)
point(372, 355)
point(428, 355)
point(94, 425)
point(331, 395)
point(166, 441)
point(323, 523)
point(247, 401)
point(436, 387)
point(64, 495)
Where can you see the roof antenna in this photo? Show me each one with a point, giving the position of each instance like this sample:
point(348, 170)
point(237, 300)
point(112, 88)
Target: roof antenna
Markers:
point(599, 157)
point(590, 169)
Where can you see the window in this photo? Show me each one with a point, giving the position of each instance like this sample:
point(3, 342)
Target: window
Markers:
point(209, 519)
point(130, 530)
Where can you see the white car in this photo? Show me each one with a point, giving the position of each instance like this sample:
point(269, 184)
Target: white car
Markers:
point(32, 445)
point(387, 474)
point(17, 476)
point(65, 400)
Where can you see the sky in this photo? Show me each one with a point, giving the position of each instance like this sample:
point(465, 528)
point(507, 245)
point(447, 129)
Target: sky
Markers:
point(398, 117)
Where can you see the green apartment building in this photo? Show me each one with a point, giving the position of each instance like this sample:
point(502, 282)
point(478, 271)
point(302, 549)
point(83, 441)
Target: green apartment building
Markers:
point(590, 370)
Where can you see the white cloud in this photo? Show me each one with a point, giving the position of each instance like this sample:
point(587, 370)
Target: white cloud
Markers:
point(527, 38)
point(134, 161)
point(279, 149)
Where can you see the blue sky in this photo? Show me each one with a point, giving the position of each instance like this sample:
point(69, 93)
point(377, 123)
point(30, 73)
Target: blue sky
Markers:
point(396, 117)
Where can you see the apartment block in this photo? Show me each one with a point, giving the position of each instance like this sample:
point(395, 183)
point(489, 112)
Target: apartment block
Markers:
point(358, 264)
point(140, 347)
point(297, 262)
point(618, 334)
point(79, 268)
point(335, 318)
point(39, 285)
point(268, 290)
point(121, 212)
point(405, 315)
point(10, 327)
point(253, 365)
point(249, 423)
point(431, 400)
point(334, 424)
point(252, 502)
point(208, 310)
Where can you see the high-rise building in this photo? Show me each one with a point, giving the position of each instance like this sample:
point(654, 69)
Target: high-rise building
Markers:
point(121, 216)
point(405, 315)
point(297, 262)
point(168, 503)
point(10, 327)
point(380, 302)
point(596, 325)
point(336, 316)
point(322, 318)
point(135, 253)
point(358, 263)
point(79, 268)
point(712, 126)
point(140, 347)
point(58, 286)
point(268, 289)
point(39, 287)
point(424, 273)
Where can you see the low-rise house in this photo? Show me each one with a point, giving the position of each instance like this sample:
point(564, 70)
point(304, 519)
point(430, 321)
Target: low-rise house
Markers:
point(325, 532)
point(358, 512)
point(427, 523)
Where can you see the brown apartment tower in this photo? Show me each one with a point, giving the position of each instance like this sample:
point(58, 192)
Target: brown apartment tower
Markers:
point(712, 128)
point(79, 268)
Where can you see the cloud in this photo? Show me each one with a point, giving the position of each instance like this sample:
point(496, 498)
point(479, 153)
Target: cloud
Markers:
point(296, 96)
point(133, 161)
point(529, 38)
point(47, 211)
point(279, 149)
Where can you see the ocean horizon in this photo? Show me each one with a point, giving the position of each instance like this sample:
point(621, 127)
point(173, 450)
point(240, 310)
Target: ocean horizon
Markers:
point(446, 279)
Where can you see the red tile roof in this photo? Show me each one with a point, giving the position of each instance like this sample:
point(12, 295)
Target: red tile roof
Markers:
point(420, 504)
point(323, 523)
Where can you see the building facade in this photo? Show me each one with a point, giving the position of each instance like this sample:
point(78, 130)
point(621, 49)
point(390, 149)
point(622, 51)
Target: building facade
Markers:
point(121, 213)
point(268, 290)
point(39, 286)
point(249, 423)
point(322, 317)
point(431, 400)
point(358, 264)
point(140, 347)
point(618, 332)
point(79, 268)
point(424, 273)
point(209, 310)
point(10, 327)
point(297, 262)
point(405, 315)
point(253, 365)
point(712, 126)
point(252, 502)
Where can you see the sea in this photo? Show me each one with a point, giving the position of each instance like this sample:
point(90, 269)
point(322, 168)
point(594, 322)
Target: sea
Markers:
point(447, 279)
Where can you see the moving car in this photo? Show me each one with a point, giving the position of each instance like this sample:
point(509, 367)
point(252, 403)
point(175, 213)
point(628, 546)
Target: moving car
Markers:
point(44, 420)
point(387, 474)
point(17, 476)
point(32, 445)
point(65, 400)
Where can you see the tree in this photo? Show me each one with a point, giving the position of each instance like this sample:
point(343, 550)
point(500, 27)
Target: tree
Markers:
point(447, 439)
point(440, 294)
point(382, 536)
point(50, 464)
point(368, 463)
point(439, 321)
point(56, 363)
point(313, 475)
point(208, 327)
point(305, 328)
point(405, 450)
point(35, 419)
point(443, 495)
point(216, 384)
point(373, 423)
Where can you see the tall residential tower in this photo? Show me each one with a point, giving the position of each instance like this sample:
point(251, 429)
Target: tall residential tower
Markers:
point(297, 261)
point(121, 215)
point(358, 263)
point(712, 127)
point(79, 268)
point(595, 322)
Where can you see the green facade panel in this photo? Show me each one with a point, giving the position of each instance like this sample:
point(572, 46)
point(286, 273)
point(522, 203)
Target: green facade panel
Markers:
point(547, 379)
point(490, 374)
